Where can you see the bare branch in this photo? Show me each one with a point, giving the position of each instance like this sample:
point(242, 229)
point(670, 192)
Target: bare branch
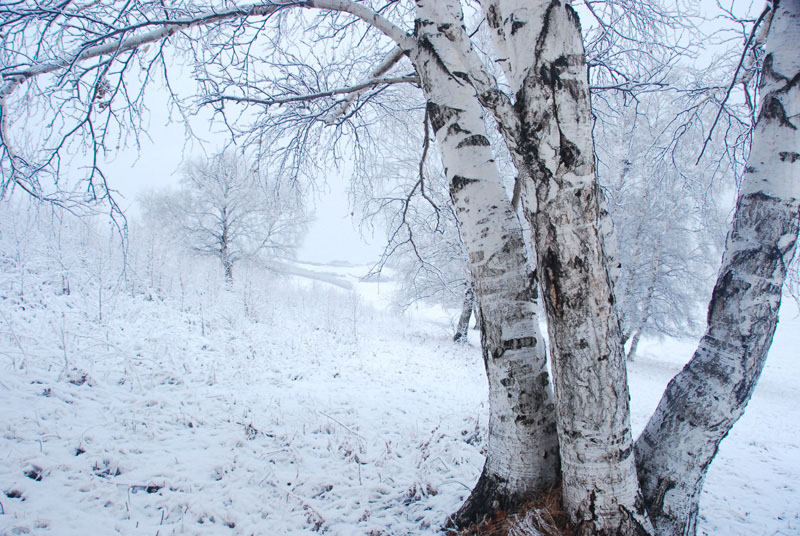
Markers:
point(734, 78)
point(14, 77)
point(384, 67)
point(411, 79)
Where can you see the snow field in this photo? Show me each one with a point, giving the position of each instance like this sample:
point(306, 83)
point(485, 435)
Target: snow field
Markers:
point(293, 406)
point(297, 421)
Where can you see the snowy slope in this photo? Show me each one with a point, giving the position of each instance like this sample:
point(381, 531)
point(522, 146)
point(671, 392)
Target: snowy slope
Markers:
point(299, 408)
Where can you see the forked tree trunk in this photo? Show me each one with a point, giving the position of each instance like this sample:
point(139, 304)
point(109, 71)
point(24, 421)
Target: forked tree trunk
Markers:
point(522, 456)
point(540, 43)
point(466, 313)
point(703, 401)
point(549, 134)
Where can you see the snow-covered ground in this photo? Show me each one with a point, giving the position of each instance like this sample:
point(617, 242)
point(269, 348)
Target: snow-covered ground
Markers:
point(298, 406)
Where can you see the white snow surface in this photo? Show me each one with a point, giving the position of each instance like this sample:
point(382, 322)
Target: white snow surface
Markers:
point(294, 406)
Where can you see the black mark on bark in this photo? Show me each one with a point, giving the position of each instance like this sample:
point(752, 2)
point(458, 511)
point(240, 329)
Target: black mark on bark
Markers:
point(455, 128)
point(568, 152)
point(516, 26)
point(473, 141)
point(552, 279)
point(459, 183)
point(572, 15)
point(773, 110)
point(513, 344)
point(492, 18)
point(461, 75)
point(440, 115)
point(545, 28)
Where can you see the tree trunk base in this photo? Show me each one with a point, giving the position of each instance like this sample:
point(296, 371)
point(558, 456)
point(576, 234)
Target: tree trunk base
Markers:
point(492, 511)
point(489, 499)
point(628, 527)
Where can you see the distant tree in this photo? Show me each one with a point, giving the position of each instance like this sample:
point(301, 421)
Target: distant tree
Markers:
point(227, 209)
point(424, 245)
point(667, 226)
point(156, 244)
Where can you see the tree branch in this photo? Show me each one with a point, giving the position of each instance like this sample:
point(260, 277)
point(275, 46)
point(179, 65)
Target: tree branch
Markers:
point(411, 79)
point(373, 18)
point(734, 78)
point(14, 78)
point(384, 67)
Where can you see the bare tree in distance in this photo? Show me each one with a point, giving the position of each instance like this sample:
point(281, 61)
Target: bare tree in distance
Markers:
point(541, 107)
point(227, 209)
point(666, 220)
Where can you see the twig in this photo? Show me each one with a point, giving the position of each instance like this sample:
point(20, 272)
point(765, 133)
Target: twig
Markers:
point(384, 67)
point(340, 423)
point(454, 481)
point(411, 79)
point(759, 20)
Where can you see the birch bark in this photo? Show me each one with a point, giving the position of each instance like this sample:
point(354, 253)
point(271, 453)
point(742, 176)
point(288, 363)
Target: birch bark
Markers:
point(462, 330)
point(703, 401)
point(562, 203)
point(522, 455)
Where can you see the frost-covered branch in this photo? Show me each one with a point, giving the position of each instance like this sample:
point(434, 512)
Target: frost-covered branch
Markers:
point(735, 77)
point(81, 71)
point(314, 96)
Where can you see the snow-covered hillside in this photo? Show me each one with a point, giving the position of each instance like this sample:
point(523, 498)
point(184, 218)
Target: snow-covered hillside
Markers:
point(292, 405)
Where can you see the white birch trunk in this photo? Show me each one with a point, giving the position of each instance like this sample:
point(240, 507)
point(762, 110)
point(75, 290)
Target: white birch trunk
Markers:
point(546, 67)
point(703, 401)
point(522, 456)
point(637, 334)
point(462, 330)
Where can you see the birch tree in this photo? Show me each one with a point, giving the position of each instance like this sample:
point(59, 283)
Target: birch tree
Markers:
point(705, 399)
point(522, 457)
point(541, 107)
